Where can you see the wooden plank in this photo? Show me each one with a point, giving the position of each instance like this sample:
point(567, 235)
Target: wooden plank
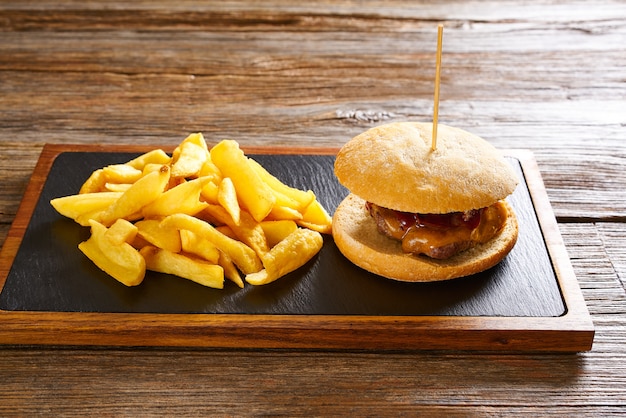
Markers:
point(613, 236)
point(186, 14)
point(438, 383)
point(502, 385)
point(605, 297)
point(287, 93)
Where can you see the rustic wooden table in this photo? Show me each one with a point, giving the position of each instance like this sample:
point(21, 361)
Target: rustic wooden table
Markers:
point(546, 76)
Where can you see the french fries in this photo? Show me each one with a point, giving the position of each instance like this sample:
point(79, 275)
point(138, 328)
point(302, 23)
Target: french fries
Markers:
point(184, 198)
point(254, 194)
point(151, 231)
point(78, 205)
point(199, 271)
point(243, 256)
point(288, 255)
point(276, 231)
point(227, 197)
point(113, 255)
point(206, 215)
point(143, 192)
point(190, 156)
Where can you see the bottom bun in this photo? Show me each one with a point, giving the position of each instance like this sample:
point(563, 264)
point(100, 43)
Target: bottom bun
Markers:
point(358, 239)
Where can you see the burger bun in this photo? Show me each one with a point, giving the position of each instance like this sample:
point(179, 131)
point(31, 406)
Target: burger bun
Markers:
point(356, 236)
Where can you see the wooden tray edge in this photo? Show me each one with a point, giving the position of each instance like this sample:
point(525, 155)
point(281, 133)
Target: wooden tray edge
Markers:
point(572, 332)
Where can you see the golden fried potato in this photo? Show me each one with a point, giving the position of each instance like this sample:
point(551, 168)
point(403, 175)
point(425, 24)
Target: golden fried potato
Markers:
point(316, 218)
point(243, 256)
point(247, 230)
point(230, 270)
point(209, 192)
point(131, 202)
point(226, 230)
point(276, 231)
point(154, 157)
point(150, 167)
point(117, 187)
point(95, 183)
point(195, 138)
point(184, 198)
point(288, 255)
point(190, 156)
point(120, 260)
point(285, 195)
point(121, 231)
point(121, 173)
point(254, 194)
point(194, 244)
point(199, 271)
point(154, 233)
point(74, 206)
point(202, 214)
point(209, 169)
point(227, 197)
point(280, 212)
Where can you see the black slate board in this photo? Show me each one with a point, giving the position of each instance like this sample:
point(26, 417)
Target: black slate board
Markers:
point(49, 273)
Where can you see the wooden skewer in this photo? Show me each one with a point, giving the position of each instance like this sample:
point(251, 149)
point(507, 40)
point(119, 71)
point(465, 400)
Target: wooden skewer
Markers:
point(437, 81)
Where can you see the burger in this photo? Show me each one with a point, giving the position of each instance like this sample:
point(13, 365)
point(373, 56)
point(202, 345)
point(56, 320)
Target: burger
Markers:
point(418, 214)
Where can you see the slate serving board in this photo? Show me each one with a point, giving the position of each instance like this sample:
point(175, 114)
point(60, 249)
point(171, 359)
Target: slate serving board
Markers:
point(49, 274)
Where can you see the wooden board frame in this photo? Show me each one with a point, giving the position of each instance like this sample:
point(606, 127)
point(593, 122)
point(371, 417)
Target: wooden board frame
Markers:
point(571, 332)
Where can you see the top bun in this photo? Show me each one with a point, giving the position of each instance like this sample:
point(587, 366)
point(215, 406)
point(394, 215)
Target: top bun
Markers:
point(393, 166)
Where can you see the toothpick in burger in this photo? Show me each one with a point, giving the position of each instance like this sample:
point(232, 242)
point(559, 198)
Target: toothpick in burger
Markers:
point(416, 214)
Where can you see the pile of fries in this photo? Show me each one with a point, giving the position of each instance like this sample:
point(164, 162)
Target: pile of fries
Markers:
point(202, 214)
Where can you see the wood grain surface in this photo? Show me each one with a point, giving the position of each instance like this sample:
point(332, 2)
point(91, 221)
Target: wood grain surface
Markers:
point(548, 76)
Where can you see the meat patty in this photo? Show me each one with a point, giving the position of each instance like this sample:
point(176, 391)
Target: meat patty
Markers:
point(439, 236)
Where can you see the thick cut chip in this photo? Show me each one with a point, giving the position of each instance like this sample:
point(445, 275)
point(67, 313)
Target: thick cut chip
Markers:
point(227, 197)
point(195, 209)
point(199, 271)
point(196, 245)
point(121, 231)
point(226, 230)
point(218, 215)
point(141, 193)
point(95, 183)
point(247, 230)
point(243, 256)
point(230, 270)
point(276, 231)
point(76, 205)
point(117, 187)
point(121, 173)
point(285, 195)
point(184, 198)
point(149, 168)
point(153, 232)
point(119, 260)
point(189, 157)
point(283, 212)
point(316, 218)
point(253, 193)
point(196, 139)
point(288, 255)
point(209, 169)
point(84, 219)
point(157, 156)
point(210, 192)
